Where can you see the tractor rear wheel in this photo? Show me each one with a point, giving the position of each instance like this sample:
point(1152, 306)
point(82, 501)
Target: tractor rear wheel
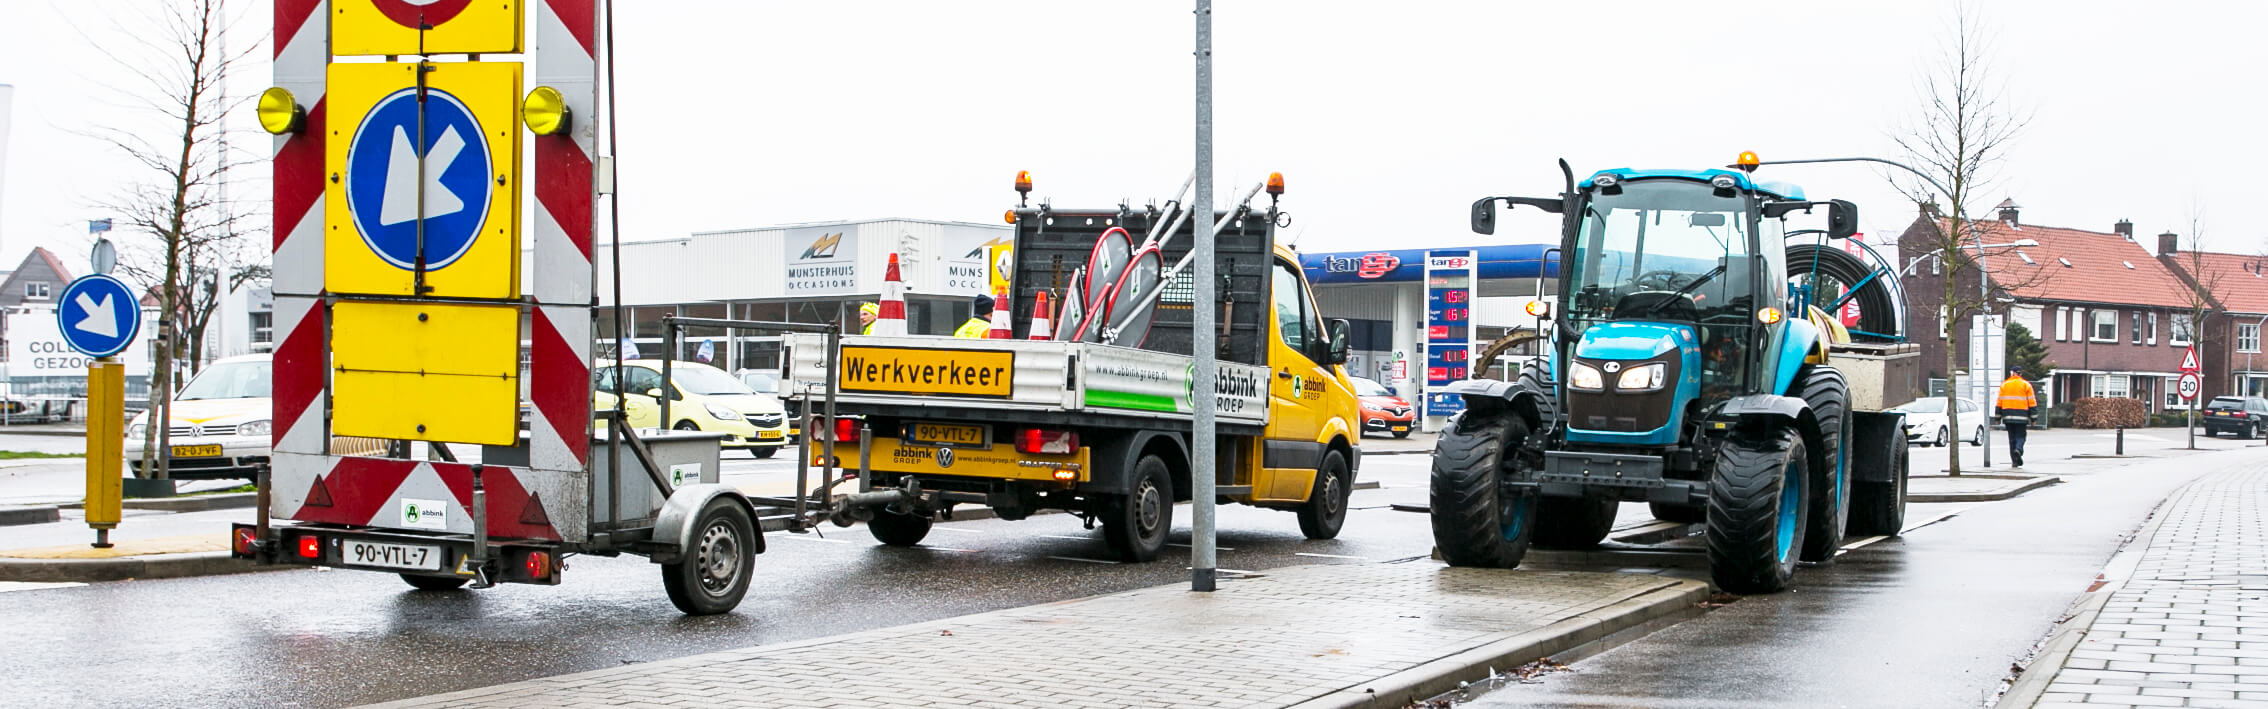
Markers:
point(1824, 390)
point(1574, 522)
point(1476, 520)
point(1757, 508)
point(1879, 508)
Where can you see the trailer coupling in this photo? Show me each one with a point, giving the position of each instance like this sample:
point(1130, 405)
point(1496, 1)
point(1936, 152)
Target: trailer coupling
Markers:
point(905, 499)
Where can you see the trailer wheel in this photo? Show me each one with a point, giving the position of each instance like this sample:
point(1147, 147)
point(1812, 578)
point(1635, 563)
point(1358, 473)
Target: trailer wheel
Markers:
point(1136, 523)
point(1879, 508)
point(1823, 388)
point(435, 583)
point(711, 576)
point(1678, 513)
point(1757, 508)
point(1574, 522)
point(1476, 520)
point(1326, 508)
point(896, 529)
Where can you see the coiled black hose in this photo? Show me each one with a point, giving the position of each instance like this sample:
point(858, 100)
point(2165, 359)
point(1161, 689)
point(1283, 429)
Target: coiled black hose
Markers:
point(1878, 312)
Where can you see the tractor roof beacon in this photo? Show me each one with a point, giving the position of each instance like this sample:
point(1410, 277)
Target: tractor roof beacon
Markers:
point(1689, 368)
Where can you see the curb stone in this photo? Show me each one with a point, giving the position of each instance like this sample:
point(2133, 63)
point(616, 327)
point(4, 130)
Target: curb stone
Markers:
point(1993, 496)
point(185, 503)
point(156, 566)
point(30, 514)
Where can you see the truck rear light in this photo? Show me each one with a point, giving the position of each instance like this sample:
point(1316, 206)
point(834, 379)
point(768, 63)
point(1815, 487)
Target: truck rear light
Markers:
point(310, 547)
point(1066, 475)
point(1040, 440)
point(240, 543)
point(846, 430)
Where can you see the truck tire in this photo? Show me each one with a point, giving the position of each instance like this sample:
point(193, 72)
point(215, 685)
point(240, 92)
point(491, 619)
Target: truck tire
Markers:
point(1678, 513)
point(1326, 508)
point(1136, 523)
point(435, 583)
point(1756, 511)
point(1476, 522)
point(1879, 508)
point(1823, 388)
point(896, 529)
point(1574, 522)
point(711, 576)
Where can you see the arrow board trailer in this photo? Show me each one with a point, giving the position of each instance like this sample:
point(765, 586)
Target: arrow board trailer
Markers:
point(406, 338)
point(1098, 430)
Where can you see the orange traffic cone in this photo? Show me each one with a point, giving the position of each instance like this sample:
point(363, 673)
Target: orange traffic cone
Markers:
point(1000, 307)
point(1041, 328)
point(892, 318)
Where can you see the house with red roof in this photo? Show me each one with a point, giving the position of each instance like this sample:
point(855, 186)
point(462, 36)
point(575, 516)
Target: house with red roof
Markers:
point(2236, 286)
point(2113, 316)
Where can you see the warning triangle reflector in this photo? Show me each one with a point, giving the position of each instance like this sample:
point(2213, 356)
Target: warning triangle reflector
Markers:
point(532, 514)
point(318, 496)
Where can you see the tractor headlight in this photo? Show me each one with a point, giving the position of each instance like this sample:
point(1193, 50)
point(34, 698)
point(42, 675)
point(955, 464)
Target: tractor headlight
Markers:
point(1641, 378)
point(1584, 377)
point(721, 413)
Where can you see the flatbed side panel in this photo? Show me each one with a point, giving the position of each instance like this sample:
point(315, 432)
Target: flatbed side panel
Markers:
point(1121, 378)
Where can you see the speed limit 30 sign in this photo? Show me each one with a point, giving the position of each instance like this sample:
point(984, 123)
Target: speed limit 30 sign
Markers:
point(2189, 386)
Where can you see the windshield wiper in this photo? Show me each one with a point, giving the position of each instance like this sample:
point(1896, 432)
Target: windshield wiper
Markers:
point(1680, 292)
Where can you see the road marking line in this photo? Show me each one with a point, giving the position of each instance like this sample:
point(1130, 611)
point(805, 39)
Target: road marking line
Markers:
point(6, 586)
point(1090, 561)
point(1859, 543)
point(1061, 536)
point(809, 538)
point(1185, 546)
point(952, 529)
point(1330, 556)
point(956, 549)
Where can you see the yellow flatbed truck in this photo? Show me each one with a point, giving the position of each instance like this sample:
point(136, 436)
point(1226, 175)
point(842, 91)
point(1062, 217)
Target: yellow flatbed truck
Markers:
point(1098, 430)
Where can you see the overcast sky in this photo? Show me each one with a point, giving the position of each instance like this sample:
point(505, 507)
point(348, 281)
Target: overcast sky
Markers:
point(1386, 118)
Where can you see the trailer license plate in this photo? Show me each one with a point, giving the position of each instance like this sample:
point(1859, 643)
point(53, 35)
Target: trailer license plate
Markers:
point(944, 434)
point(392, 556)
point(205, 451)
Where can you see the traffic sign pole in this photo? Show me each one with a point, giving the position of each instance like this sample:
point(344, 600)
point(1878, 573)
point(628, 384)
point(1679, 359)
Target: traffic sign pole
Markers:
point(106, 440)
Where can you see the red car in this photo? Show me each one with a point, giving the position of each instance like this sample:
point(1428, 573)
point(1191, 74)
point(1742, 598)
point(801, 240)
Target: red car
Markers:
point(1382, 411)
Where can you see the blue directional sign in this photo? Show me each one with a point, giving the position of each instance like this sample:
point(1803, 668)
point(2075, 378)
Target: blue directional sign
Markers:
point(384, 185)
point(98, 315)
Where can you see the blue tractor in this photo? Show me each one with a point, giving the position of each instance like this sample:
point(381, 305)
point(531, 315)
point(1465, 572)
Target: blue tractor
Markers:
point(1687, 369)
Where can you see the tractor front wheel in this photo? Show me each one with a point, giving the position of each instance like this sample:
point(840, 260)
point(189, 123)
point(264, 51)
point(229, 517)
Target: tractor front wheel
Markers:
point(1477, 521)
point(1757, 511)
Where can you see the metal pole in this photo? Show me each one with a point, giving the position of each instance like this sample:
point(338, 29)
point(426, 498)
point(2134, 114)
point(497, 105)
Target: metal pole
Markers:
point(668, 377)
point(1204, 341)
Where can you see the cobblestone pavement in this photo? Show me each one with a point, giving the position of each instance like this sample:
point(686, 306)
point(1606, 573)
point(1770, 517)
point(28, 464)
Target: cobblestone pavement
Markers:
point(2190, 625)
point(1288, 636)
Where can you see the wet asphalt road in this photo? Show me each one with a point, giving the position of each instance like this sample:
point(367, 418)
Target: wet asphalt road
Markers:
point(335, 638)
point(1931, 619)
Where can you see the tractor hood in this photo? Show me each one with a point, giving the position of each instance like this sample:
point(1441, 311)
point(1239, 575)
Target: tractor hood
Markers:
point(1632, 340)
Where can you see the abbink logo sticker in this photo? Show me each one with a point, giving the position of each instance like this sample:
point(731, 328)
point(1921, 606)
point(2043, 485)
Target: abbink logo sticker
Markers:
point(425, 514)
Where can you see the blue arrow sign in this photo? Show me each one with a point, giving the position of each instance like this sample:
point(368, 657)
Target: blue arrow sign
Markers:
point(384, 186)
point(98, 315)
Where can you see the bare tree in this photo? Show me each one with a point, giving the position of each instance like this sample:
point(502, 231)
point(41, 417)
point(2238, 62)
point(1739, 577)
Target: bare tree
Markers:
point(2202, 280)
point(182, 65)
point(1960, 138)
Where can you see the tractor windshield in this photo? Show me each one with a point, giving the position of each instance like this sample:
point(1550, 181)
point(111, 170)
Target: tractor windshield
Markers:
point(1668, 250)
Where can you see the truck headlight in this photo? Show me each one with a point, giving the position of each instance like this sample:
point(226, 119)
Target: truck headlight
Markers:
point(721, 413)
point(253, 428)
point(1585, 377)
point(1641, 378)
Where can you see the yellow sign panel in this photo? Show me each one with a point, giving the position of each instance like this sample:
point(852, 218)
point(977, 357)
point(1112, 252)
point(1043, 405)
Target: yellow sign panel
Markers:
point(422, 179)
point(908, 370)
point(391, 27)
point(999, 461)
point(426, 372)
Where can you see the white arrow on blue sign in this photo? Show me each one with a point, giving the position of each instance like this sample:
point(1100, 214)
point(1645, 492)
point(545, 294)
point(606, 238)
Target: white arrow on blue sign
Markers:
point(98, 315)
point(387, 192)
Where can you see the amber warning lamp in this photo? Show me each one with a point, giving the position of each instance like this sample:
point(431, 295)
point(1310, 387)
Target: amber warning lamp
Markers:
point(1747, 161)
point(279, 113)
point(1023, 187)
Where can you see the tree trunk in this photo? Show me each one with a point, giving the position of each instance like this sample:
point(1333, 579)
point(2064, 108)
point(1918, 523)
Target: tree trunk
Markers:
point(1951, 313)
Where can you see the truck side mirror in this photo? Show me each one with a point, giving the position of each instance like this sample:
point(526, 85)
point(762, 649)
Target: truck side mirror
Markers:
point(1338, 341)
point(1842, 219)
point(1484, 216)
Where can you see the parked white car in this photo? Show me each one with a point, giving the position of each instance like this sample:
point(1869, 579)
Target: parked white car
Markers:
point(1927, 424)
point(221, 423)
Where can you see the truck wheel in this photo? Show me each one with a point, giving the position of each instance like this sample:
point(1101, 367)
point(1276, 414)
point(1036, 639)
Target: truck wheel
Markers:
point(1326, 508)
point(1879, 508)
point(1476, 521)
point(1678, 513)
point(1137, 522)
point(711, 576)
point(762, 452)
point(896, 529)
point(1574, 522)
point(435, 583)
point(1756, 511)
point(1828, 395)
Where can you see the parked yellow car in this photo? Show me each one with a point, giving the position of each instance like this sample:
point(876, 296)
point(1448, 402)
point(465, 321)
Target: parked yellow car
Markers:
point(222, 425)
point(703, 398)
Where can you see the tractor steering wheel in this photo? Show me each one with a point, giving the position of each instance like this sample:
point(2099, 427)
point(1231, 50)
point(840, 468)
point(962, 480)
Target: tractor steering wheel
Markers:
point(1661, 281)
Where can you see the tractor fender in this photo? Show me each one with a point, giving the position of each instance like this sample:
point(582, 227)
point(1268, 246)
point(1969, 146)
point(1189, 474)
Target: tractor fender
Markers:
point(675, 523)
point(1766, 406)
point(1797, 340)
point(1489, 393)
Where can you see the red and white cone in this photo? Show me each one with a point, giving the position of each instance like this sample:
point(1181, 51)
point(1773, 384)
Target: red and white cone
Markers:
point(1041, 328)
point(892, 318)
point(1001, 330)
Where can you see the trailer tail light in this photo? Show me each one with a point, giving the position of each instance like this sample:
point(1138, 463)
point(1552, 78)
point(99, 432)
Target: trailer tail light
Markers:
point(1040, 440)
point(240, 542)
point(310, 547)
point(539, 565)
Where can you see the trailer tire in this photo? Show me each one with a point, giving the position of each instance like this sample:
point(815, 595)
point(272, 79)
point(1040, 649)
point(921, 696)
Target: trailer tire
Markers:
point(1879, 508)
point(712, 576)
point(1825, 391)
point(1678, 513)
point(898, 530)
point(1574, 522)
point(1137, 522)
point(1476, 521)
point(435, 583)
point(1756, 522)
point(1326, 508)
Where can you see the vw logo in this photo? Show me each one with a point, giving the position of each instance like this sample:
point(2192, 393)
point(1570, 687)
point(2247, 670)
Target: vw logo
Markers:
point(196, 431)
point(944, 457)
point(1612, 367)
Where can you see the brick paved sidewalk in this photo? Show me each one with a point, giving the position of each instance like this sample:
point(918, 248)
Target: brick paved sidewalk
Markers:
point(2190, 625)
point(1333, 635)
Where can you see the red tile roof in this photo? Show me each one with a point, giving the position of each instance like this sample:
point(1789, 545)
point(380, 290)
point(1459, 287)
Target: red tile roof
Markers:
point(61, 273)
point(2237, 281)
point(2078, 266)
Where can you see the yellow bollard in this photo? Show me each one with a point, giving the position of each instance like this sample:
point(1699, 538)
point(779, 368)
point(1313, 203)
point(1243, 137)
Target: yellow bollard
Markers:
point(106, 445)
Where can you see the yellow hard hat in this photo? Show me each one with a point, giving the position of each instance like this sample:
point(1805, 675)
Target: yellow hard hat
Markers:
point(870, 308)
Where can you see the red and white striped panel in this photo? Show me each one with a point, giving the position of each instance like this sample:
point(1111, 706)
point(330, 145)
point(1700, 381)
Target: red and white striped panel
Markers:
point(302, 42)
point(559, 377)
